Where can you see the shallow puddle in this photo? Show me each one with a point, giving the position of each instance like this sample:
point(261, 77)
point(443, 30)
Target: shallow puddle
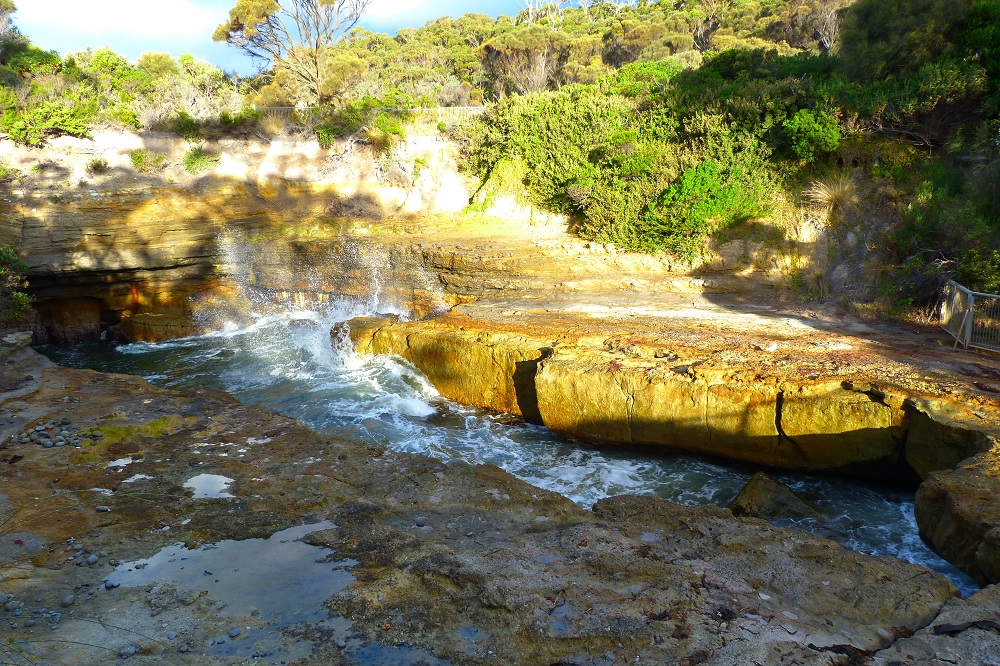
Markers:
point(280, 580)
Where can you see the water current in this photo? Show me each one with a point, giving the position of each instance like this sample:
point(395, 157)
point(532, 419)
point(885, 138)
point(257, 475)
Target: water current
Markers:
point(287, 362)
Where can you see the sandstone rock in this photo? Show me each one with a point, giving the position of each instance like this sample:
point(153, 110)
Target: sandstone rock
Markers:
point(71, 319)
point(765, 497)
point(602, 393)
point(966, 632)
point(148, 327)
point(830, 426)
point(959, 515)
point(362, 330)
point(940, 436)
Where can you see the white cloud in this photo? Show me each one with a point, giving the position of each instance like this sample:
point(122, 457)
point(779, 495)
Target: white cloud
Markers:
point(97, 20)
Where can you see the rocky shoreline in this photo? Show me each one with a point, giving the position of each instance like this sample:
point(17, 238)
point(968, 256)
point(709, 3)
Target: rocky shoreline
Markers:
point(447, 563)
point(741, 384)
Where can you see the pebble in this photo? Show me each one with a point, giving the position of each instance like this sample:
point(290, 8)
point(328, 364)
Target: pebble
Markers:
point(77, 546)
point(67, 601)
point(47, 443)
point(234, 633)
point(103, 509)
point(92, 559)
point(10, 606)
point(171, 636)
point(421, 522)
point(29, 623)
point(129, 650)
point(341, 644)
point(184, 648)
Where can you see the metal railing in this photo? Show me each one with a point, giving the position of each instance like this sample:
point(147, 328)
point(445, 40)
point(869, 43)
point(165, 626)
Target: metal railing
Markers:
point(440, 113)
point(972, 318)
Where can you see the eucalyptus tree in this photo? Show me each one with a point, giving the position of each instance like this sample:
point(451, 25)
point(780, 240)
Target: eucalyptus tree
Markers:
point(7, 8)
point(297, 37)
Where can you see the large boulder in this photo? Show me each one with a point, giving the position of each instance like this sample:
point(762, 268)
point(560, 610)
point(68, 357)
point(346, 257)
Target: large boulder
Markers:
point(766, 497)
point(958, 513)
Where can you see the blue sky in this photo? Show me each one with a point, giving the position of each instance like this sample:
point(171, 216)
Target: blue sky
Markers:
point(132, 27)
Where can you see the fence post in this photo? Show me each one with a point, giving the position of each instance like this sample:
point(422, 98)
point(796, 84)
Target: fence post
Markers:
point(967, 333)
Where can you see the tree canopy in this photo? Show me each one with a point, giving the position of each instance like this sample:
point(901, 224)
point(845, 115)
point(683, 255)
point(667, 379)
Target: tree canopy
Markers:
point(296, 36)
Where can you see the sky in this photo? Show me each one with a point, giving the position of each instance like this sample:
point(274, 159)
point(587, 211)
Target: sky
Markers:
point(132, 27)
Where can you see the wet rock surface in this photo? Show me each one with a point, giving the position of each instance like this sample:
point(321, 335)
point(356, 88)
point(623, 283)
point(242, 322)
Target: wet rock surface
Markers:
point(445, 563)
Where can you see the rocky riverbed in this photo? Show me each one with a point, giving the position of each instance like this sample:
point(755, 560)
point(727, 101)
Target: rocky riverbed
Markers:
point(418, 560)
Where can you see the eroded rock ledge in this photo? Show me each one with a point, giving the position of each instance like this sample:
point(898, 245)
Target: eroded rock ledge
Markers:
point(443, 551)
point(766, 389)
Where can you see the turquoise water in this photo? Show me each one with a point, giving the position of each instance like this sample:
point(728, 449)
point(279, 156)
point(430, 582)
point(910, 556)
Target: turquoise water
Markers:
point(290, 363)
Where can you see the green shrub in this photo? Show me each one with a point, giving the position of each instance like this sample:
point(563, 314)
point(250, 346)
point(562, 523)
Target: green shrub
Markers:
point(8, 173)
point(14, 303)
point(197, 160)
point(32, 126)
point(186, 126)
point(29, 60)
point(705, 199)
point(247, 117)
point(145, 161)
point(345, 121)
point(96, 166)
point(811, 132)
point(386, 132)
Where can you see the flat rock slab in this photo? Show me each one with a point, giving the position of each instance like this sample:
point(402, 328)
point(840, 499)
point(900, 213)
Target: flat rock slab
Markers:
point(451, 563)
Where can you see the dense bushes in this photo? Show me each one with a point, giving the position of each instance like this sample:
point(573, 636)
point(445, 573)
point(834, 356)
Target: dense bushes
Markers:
point(14, 303)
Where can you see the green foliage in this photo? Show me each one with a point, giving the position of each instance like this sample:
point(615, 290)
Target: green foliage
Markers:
point(14, 302)
point(32, 126)
point(980, 39)
point(247, 117)
point(642, 79)
point(158, 65)
point(705, 199)
point(884, 40)
point(146, 161)
point(8, 173)
point(197, 160)
point(811, 132)
point(97, 166)
point(186, 126)
point(28, 59)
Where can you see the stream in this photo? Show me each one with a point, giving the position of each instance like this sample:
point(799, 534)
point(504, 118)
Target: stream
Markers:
point(286, 362)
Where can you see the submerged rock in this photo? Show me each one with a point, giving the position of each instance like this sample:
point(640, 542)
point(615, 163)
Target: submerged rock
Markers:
point(765, 497)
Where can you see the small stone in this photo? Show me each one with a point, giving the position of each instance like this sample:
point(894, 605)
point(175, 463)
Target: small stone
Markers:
point(103, 509)
point(29, 623)
point(92, 559)
point(184, 648)
point(171, 636)
point(233, 633)
point(77, 546)
point(97, 434)
point(60, 443)
point(421, 522)
point(342, 644)
point(128, 651)
point(48, 443)
point(67, 601)
point(108, 585)
point(10, 606)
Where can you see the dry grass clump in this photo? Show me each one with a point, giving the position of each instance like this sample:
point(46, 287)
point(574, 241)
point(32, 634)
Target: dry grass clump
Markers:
point(836, 196)
point(274, 124)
